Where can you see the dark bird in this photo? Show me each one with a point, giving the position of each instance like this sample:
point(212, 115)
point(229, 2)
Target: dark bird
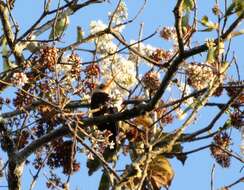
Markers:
point(101, 105)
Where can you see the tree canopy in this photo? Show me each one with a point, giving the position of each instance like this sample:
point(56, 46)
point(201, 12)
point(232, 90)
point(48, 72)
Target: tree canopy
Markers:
point(157, 93)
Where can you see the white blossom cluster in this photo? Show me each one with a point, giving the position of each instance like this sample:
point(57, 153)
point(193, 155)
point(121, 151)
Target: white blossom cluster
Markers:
point(97, 26)
point(100, 143)
point(124, 71)
point(19, 79)
point(104, 43)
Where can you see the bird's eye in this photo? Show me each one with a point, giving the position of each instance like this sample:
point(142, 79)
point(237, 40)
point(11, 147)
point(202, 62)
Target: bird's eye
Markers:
point(101, 86)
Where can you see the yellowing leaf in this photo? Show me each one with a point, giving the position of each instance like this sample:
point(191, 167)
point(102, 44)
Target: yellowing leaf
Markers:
point(160, 172)
point(209, 24)
point(144, 120)
point(211, 56)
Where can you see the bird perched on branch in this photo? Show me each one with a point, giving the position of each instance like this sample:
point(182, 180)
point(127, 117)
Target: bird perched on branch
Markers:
point(100, 105)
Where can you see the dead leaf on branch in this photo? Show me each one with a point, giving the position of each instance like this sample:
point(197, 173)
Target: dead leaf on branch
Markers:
point(160, 172)
point(144, 120)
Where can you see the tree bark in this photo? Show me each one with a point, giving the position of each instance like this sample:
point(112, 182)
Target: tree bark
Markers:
point(15, 171)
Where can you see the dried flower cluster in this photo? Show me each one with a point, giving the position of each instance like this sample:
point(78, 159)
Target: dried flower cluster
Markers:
point(199, 76)
point(63, 156)
point(237, 119)
point(151, 81)
point(233, 89)
point(221, 140)
point(48, 57)
point(22, 100)
point(54, 181)
point(163, 115)
point(168, 33)
point(161, 55)
point(92, 70)
point(19, 79)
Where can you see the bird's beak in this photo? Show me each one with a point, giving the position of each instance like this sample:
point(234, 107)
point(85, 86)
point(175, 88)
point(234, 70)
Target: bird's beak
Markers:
point(108, 83)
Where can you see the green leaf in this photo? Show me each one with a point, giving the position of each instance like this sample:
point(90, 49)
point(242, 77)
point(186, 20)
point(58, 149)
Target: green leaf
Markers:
point(80, 34)
point(211, 55)
point(239, 7)
point(59, 27)
point(236, 6)
point(104, 182)
point(209, 24)
point(188, 5)
point(185, 20)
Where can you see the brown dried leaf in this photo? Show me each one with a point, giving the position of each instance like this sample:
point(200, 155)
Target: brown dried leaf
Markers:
point(160, 172)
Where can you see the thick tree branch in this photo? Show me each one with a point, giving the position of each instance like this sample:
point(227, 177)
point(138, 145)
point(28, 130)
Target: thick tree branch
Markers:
point(54, 134)
point(4, 15)
point(178, 25)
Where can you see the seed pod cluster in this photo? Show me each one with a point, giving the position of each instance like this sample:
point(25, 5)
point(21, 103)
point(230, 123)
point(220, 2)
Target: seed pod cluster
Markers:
point(151, 81)
point(221, 140)
point(48, 57)
point(92, 70)
point(161, 55)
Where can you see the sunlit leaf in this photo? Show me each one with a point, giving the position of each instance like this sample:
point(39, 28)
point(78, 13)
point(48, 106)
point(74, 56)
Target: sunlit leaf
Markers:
point(209, 24)
point(144, 120)
point(80, 34)
point(188, 5)
point(185, 20)
point(160, 172)
point(211, 55)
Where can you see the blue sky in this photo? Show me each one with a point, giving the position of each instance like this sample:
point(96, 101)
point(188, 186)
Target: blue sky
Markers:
point(195, 174)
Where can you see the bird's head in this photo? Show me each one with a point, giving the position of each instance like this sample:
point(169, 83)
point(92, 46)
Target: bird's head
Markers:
point(104, 87)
